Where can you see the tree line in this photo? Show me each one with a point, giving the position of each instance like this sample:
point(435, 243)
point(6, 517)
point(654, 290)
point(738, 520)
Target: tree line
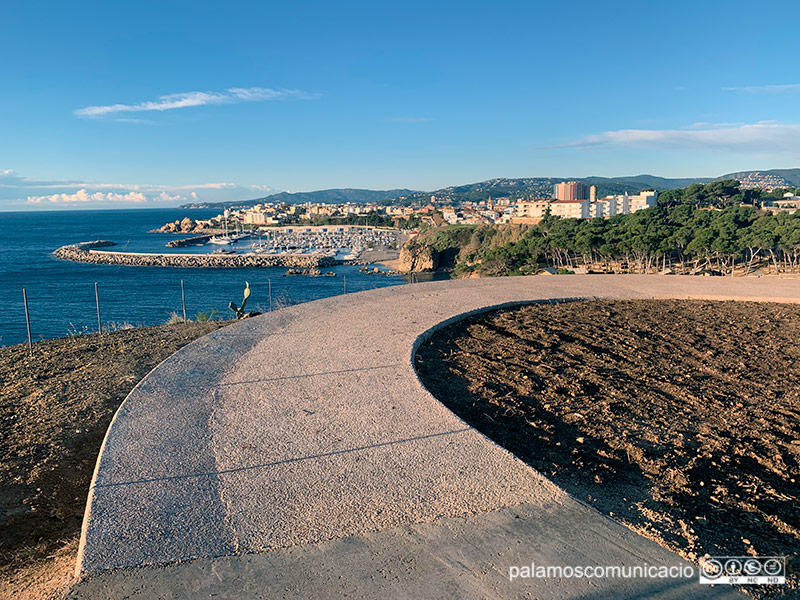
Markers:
point(718, 228)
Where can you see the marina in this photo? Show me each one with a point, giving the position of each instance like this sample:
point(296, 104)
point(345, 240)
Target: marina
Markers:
point(297, 247)
point(61, 293)
point(340, 243)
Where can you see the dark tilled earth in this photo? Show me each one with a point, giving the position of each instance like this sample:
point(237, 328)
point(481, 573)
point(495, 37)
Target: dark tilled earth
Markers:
point(680, 419)
point(55, 408)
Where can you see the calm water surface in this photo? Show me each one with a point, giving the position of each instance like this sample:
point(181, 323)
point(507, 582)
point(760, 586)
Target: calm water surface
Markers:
point(61, 293)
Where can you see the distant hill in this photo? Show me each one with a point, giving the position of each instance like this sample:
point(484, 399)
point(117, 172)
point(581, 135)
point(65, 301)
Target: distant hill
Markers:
point(333, 196)
point(543, 187)
point(770, 178)
point(514, 188)
point(641, 182)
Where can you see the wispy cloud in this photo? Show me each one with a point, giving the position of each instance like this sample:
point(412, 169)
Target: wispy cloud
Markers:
point(765, 89)
point(407, 120)
point(707, 125)
point(263, 188)
point(766, 136)
point(191, 99)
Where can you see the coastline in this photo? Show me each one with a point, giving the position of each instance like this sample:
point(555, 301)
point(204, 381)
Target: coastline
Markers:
point(389, 263)
point(387, 258)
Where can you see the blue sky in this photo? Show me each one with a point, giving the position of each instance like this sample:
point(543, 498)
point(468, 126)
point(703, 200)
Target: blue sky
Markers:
point(147, 103)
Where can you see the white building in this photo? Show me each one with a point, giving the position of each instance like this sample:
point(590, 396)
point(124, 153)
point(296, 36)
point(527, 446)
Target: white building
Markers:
point(604, 208)
point(623, 204)
point(642, 200)
point(571, 209)
point(450, 216)
point(789, 200)
point(534, 209)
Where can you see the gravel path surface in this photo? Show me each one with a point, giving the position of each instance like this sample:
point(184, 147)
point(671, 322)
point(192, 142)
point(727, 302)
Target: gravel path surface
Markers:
point(309, 425)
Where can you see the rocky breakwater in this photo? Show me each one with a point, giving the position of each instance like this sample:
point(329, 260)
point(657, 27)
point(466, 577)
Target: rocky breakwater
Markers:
point(192, 241)
point(86, 252)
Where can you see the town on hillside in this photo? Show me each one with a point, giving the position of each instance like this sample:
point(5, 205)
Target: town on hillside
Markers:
point(569, 199)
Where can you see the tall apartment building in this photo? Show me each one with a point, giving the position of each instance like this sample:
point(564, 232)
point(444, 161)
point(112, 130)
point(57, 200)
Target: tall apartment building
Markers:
point(570, 190)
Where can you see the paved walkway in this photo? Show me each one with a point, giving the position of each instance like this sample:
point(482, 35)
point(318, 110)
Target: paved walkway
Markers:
point(297, 455)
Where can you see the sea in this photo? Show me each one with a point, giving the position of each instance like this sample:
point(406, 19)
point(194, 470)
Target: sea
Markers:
point(61, 294)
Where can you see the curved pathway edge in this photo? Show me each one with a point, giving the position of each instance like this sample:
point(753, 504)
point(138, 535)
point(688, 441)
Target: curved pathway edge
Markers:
point(299, 433)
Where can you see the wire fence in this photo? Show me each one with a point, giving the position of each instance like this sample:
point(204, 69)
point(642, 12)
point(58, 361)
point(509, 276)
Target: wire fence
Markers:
point(119, 305)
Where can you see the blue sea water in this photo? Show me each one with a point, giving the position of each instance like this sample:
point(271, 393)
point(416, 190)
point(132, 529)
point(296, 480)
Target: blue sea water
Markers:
point(61, 293)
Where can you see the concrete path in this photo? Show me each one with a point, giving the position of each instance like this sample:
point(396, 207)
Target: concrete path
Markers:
point(297, 455)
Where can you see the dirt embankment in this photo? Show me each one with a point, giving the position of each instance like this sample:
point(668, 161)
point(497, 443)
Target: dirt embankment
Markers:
point(55, 408)
point(679, 418)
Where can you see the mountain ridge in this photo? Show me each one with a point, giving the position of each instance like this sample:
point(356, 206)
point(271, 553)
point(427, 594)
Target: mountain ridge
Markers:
point(790, 177)
point(332, 195)
point(511, 187)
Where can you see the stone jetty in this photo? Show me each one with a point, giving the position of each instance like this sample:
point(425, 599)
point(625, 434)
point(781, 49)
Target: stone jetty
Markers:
point(198, 239)
point(87, 252)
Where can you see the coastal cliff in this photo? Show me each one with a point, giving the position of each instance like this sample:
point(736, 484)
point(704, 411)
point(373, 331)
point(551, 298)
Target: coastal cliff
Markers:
point(417, 258)
point(85, 252)
point(185, 226)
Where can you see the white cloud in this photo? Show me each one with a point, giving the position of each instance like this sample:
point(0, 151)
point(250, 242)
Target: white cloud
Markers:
point(83, 196)
point(190, 99)
point(263, 188)
point(165, 197)
point(705, 125)
point(767, 136)
point(17, 191)
point(202, 186)
point(765, 89)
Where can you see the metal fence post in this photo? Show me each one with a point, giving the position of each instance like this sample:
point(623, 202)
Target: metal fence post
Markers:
point(344, 282)
point(183, 301)
point(97, 301)
point(269, 284)
point(27, 321)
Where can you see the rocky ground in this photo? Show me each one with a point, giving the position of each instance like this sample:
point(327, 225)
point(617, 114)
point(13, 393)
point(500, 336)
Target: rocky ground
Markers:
point(680, 419)
point(55, 407)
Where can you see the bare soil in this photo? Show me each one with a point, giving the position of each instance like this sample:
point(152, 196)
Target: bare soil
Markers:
point(55, 407)
point(681, 419)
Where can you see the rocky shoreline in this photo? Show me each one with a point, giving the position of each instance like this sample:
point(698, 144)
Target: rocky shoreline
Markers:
point(86, 252)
